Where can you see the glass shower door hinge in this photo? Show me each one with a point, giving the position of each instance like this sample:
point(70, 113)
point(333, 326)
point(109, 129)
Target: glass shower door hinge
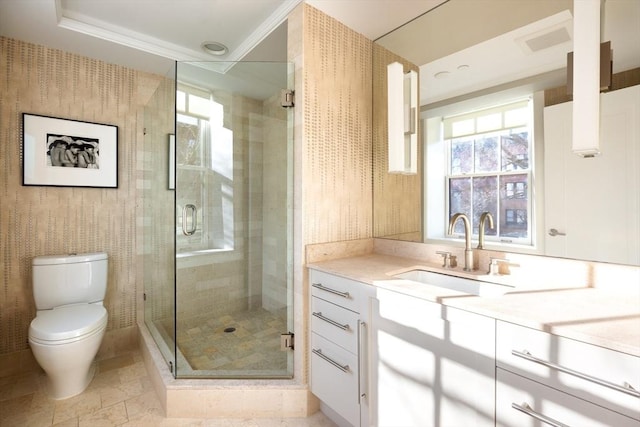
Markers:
point(286, 341)
point(287, 98)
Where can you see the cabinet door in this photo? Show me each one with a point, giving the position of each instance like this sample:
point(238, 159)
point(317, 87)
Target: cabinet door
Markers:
point(432, 365)
point(334, 378)
point(521, 402)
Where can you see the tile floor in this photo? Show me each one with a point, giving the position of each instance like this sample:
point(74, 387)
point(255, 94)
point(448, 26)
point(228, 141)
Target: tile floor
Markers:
point(120, 394)
point(252, 346)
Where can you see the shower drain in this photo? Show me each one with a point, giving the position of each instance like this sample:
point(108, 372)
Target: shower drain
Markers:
point(228, 330)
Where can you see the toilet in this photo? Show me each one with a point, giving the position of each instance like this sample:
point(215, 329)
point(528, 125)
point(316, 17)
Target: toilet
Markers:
point(70, 319)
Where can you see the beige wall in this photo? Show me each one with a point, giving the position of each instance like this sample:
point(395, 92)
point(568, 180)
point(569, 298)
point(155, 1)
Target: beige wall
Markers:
point(333, 165)
point(49, 220)
point(336, 163)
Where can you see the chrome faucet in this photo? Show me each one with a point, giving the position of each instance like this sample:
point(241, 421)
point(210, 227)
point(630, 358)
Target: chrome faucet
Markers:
point(468, 252)
point(483, 218)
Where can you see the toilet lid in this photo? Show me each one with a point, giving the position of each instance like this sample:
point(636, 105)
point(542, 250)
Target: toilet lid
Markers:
point(72, 321)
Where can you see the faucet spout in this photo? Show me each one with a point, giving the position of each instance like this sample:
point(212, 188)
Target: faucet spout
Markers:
point(483, 218)
point(468, 252)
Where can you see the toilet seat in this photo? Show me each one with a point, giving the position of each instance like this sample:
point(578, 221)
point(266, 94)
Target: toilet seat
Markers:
point(65, 324)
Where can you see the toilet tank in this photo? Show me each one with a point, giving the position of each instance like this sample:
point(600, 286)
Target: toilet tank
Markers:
point(69, 279)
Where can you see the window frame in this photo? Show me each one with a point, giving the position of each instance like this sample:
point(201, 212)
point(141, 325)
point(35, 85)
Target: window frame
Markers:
point(447, 133)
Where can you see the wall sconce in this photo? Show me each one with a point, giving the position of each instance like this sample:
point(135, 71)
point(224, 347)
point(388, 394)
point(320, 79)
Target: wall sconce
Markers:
point(402, 98)
point(586, 77)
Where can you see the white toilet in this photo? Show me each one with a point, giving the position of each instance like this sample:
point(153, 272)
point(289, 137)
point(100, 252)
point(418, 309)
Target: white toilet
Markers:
point(70, 320)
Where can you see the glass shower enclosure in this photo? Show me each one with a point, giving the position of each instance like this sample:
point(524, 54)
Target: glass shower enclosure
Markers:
point(226, 309)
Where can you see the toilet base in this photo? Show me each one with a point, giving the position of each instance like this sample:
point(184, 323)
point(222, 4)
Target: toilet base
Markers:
point(69, 367)
point(64, 386)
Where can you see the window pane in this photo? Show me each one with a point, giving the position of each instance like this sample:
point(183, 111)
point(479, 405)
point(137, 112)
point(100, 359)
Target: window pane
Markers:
point(460, 199)
point(489, 122)
point(485, 199)
point(514, 205)
point(461, 156)
point(199, 105)
point(515, 151)
point(486, 154)
point(463, 127)
point(517, 117)
point(181, 101)
point(188, 144)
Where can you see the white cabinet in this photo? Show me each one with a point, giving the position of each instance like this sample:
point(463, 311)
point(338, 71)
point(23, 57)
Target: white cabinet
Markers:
point(432, 365)
point(584, 385)
point(339, 316)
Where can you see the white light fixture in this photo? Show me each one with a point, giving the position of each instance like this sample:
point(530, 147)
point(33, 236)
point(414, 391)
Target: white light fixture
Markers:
point(402, 98)
point(586, 78)
point(214, 48)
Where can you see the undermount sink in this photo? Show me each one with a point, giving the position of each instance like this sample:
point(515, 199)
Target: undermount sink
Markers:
point(454, 283)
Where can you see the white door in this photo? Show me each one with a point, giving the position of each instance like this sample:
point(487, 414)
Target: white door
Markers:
point(590, 222)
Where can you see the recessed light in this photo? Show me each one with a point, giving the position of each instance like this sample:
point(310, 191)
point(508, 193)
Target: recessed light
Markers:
point(441, 74)
point(214, 48)
point(463, 67)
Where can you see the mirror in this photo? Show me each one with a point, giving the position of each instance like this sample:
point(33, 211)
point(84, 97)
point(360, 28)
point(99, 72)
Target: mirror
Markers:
point(466, 65)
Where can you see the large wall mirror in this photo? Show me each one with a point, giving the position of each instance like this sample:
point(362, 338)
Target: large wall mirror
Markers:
point(495, 131)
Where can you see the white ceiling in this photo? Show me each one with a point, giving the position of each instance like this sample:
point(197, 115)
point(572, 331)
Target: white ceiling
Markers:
point(150, 34)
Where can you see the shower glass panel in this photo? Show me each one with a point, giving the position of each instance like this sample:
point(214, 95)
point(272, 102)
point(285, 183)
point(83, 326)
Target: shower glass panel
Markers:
point(233, 201)
point(158, 236)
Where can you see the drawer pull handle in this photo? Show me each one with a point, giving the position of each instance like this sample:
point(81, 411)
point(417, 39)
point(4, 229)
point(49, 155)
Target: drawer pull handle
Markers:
point(525, 408)
point(333, 291)
point(626, 388)
point(364, 361)
point(319, 315)
point(343, 368)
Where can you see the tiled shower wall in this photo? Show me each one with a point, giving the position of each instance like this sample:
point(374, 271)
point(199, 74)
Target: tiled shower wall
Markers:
point(49, 220)
point(253, 274)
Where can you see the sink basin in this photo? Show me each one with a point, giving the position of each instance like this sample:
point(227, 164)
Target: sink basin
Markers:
point(460, 284)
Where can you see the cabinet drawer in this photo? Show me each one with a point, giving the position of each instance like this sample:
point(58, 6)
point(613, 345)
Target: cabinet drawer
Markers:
point(338, 290)
point(334, 378)
point(519, 401)
point(335, 324)
point(590, 372)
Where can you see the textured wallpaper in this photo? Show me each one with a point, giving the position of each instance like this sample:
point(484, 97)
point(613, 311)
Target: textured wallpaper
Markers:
point(337, 131)
point(50, 220)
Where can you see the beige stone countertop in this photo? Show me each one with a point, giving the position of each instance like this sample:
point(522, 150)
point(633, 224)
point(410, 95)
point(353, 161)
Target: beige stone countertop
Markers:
point(595, 316)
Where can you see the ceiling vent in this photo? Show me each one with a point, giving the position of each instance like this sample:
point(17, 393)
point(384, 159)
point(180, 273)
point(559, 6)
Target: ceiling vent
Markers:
point(546, 38)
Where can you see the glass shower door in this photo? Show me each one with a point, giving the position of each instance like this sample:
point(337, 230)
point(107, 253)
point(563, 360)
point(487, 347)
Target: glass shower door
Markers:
point(233, 157)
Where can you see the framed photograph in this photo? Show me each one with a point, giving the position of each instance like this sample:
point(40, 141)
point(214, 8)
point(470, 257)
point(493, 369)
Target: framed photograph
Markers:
point(68, 153)
point(172, 161)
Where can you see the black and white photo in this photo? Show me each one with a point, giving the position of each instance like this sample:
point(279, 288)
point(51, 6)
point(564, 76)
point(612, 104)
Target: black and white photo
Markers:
point(69, 153)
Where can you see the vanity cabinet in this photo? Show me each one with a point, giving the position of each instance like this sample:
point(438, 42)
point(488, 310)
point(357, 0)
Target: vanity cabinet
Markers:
point(563, 381)
point(339, 316)
point(432, 365)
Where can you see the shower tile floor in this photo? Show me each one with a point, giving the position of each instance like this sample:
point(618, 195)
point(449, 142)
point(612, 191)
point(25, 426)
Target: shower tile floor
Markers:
point(121, 394)
point(244, 343)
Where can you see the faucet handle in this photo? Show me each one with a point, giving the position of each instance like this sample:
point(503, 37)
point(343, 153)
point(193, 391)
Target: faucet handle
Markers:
point(446, 258)
point(494, 265)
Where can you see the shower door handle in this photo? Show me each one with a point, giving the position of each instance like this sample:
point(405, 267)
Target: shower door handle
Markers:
point(194, 219)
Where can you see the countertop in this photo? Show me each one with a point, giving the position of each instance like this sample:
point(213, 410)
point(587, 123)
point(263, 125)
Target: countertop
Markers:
point(609, 319)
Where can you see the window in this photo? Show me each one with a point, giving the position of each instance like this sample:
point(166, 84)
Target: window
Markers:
point(488, 167)
point(204, 161)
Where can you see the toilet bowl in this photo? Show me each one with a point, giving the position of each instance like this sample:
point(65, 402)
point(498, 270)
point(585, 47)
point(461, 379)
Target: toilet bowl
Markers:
point(65, 341)
point(70, 321)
